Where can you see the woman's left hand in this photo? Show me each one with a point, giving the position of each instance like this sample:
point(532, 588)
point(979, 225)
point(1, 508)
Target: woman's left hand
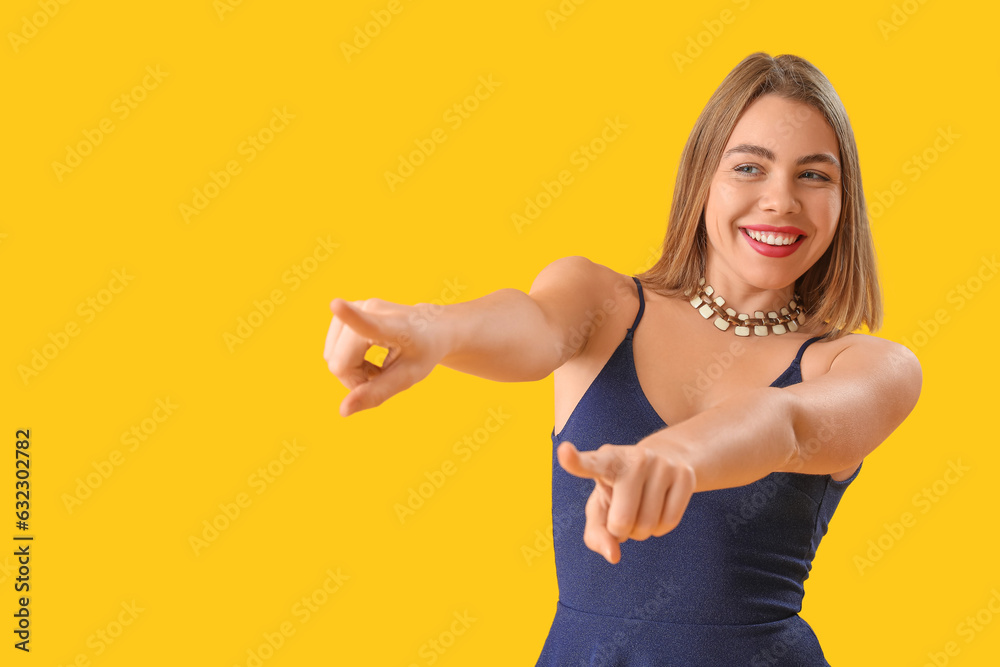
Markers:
point(639, 491)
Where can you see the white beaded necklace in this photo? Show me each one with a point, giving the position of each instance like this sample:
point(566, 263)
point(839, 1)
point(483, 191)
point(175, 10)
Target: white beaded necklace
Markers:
point(793, 316)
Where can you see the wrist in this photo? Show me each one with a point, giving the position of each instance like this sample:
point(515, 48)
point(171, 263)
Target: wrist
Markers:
point(676, 448)
point(442, 326)
point(735, 442)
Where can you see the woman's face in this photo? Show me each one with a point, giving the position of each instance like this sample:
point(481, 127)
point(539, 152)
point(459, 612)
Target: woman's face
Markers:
point(780, 169)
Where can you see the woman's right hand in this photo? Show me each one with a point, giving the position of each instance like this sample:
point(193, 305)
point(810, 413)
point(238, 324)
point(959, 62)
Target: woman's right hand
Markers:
point(414, 346)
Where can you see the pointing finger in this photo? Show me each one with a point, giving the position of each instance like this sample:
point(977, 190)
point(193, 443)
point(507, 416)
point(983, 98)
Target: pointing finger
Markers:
point(356, 318)
point(336, 324)
point(347, 358)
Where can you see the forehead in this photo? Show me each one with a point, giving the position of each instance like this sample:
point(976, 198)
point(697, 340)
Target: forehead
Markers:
point(788, 127)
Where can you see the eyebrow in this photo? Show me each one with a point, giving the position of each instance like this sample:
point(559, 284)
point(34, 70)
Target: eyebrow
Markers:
point(766, 154)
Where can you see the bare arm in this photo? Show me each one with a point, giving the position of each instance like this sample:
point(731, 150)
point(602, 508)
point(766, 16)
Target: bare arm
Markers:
point(507, 335)
point(820, 426)
point(817, 427)
point(501, 336)
point(510, 336)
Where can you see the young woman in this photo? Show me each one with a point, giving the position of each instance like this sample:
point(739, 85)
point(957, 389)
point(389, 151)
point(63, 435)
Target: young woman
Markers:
point(686, 407)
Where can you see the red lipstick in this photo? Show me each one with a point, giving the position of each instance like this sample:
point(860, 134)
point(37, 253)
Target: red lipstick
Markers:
point(776, 230)
point(772, 250)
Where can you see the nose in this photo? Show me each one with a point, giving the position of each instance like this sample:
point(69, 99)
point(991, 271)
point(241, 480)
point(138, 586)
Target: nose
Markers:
point(779, 196)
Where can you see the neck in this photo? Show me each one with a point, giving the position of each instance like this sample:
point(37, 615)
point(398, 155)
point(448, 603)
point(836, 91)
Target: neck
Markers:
point(746, 298)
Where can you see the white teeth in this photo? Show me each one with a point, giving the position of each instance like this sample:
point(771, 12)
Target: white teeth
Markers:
point(770, 238)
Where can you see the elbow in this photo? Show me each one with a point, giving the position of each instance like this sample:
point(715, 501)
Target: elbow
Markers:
point(911, 378)
point(791, 419)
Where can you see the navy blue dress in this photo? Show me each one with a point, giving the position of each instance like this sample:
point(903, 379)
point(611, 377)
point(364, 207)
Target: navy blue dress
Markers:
point(722, 589)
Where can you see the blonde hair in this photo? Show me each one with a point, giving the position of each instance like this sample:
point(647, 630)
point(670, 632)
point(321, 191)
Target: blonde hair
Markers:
point(841, 289)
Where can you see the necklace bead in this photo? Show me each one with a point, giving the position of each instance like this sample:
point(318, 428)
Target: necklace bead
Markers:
point(788, 319)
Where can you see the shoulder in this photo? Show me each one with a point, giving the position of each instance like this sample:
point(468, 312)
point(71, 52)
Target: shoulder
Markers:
point(870, 388)
point(585, 265)
point(875, 349)
point(586, 302)
point(599, 285)
point(877, 360)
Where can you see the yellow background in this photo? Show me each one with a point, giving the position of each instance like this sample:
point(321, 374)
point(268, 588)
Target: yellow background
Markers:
point(445, 234)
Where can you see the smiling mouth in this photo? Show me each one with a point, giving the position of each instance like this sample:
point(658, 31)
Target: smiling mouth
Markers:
point(777, 239)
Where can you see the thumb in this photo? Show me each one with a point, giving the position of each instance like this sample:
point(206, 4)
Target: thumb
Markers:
point(390, 381)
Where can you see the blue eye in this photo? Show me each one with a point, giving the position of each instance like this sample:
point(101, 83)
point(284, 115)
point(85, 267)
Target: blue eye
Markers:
point(816, 173)
point(740, 168)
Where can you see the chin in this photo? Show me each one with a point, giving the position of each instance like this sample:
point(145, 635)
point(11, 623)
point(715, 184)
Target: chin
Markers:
point(772, 280)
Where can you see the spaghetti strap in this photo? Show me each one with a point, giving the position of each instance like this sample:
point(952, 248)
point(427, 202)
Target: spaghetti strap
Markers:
point(802, 348)
point(664, 603)
point(642, 306)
